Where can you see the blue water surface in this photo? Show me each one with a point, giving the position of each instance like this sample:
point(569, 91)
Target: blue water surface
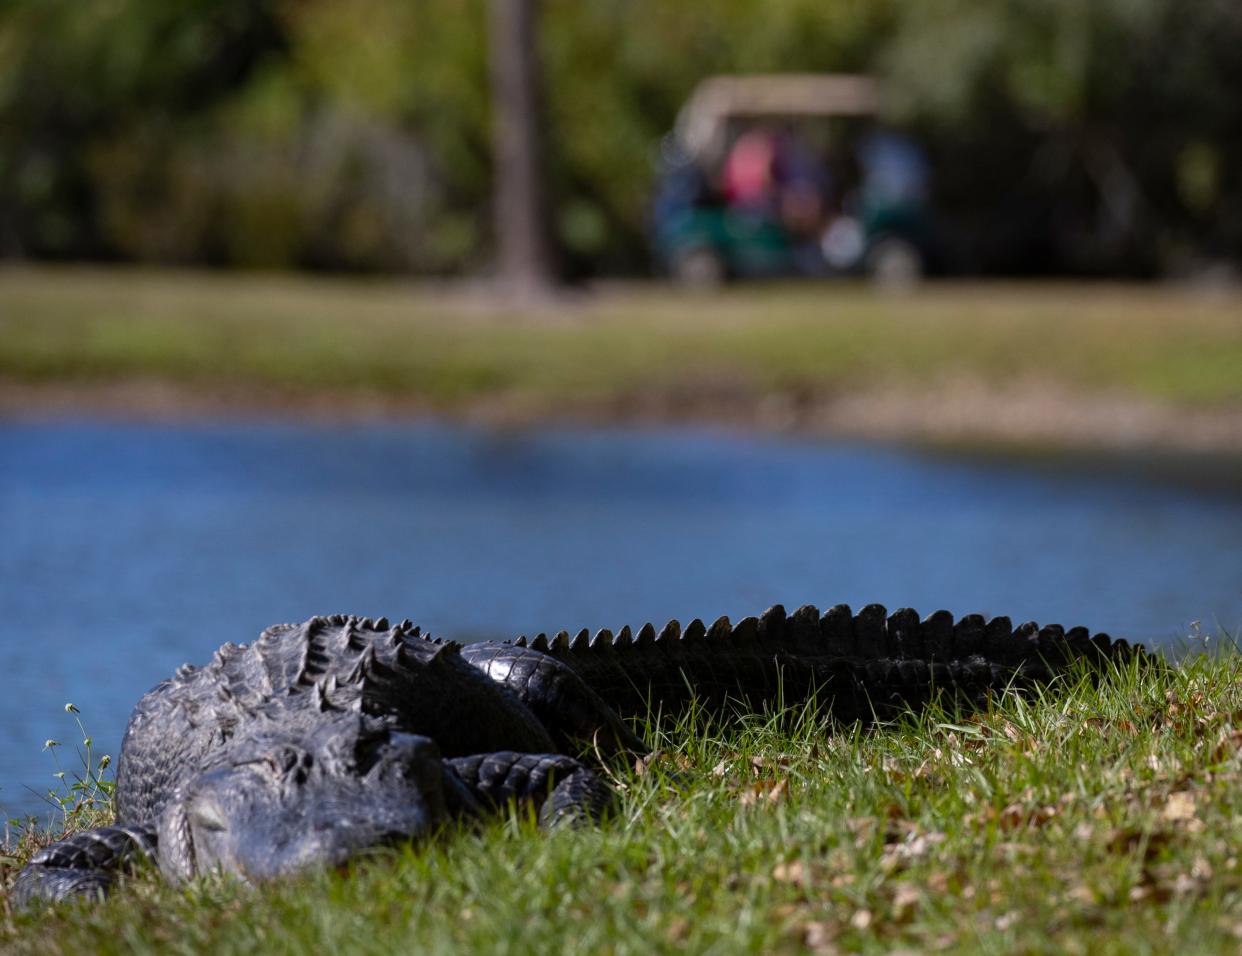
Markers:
point(127, 549)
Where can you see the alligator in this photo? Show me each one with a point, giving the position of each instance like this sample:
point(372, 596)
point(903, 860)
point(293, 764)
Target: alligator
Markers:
point(324, 740)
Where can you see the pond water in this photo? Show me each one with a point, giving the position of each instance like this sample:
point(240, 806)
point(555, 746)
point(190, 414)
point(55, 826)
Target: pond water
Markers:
point(126, 550)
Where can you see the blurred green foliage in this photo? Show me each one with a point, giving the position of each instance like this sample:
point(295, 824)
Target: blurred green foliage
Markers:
point(1105, 130)
point(354, 134)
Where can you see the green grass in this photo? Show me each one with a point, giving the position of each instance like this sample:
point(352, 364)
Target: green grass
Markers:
point(447, 347)
point(1101, 819)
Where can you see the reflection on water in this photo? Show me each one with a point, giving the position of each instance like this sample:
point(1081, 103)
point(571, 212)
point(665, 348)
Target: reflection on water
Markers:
point(126, 550)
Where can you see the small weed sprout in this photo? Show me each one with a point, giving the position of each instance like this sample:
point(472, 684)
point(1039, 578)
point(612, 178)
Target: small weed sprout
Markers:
point(86, 790)
point(83, 797)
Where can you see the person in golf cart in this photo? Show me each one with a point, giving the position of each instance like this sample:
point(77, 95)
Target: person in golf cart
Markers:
point(744, 193)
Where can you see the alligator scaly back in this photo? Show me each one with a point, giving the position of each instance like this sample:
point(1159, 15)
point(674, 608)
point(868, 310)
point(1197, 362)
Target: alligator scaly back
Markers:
point(861, 663)
point(338, 662)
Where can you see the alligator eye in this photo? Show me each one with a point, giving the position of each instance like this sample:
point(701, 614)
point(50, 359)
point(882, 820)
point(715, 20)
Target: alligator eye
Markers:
point(284, 759)
point(208, 816)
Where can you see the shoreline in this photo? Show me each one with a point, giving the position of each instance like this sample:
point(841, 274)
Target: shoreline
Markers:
point(1031, 419)
point(1021, 368)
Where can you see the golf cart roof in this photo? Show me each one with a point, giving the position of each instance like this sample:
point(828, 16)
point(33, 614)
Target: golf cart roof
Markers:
point(702, 122)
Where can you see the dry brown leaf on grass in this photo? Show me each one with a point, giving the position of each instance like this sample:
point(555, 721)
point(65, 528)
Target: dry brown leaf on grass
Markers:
point(1083, 894)
point(914, 846)
point(956, 756)
point(781, 762)
point(906, 896)
point(678, 929)
point(794, 872)
point(762, 793)
point(1006, 920)
point(1179, 806)
point(1017, 815)
point(1228, 743)
point(659, 759)
point(818, 936)
point(759, 764)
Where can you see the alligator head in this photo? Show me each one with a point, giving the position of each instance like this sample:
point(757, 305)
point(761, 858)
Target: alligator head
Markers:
point(280, 798)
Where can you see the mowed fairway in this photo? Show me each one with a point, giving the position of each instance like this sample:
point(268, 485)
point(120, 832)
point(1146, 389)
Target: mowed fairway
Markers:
point(266, 339)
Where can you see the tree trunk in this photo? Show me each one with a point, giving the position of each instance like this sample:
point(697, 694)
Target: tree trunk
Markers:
point(525, 254)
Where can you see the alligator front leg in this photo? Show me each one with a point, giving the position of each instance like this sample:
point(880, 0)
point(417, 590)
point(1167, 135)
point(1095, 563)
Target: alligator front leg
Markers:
point(84, 865)
point(577, 717)
point(557, 788)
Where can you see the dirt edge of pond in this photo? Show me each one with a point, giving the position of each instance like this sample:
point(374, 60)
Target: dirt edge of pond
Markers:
point(1029, 416)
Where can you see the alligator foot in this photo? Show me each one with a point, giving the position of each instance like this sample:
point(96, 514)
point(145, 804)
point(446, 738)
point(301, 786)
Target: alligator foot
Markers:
point(559, 789)
point(83, 866)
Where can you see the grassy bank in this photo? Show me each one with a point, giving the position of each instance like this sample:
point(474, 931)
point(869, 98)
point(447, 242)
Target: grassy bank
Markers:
point(745, 352)
point(1096, 819)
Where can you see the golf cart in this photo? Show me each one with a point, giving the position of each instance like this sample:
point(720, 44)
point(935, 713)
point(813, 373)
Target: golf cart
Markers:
point(789, 175)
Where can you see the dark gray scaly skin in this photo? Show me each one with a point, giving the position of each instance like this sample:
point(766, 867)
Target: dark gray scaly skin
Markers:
point(315, 743)
point(858, 666)
point(325, 739)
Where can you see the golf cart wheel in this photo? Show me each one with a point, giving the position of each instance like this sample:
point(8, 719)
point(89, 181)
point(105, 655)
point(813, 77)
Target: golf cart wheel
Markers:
point(894, 262)
point(698, 267)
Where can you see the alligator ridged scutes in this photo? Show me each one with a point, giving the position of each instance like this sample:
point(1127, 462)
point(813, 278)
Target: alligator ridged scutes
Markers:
point(876, 656)
point(323, 739)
